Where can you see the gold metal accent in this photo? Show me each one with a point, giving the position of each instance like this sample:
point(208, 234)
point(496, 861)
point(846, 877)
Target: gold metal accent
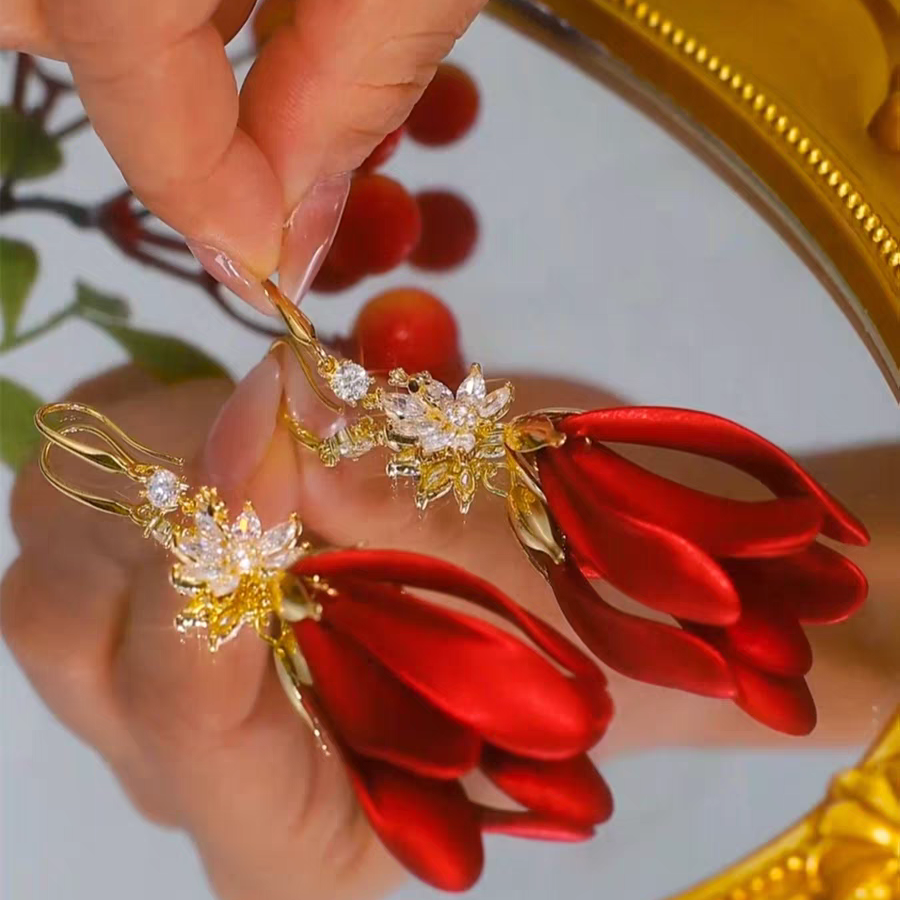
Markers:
point(532, 432)
point(787, 121)
point(59, 422)
point(847, 848)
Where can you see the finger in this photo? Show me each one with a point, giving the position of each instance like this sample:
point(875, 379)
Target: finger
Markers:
point(328, 87)
point(159, 89)
point(22, 28)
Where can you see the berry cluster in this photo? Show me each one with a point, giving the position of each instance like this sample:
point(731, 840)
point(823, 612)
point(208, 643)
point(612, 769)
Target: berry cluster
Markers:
point(384, 226)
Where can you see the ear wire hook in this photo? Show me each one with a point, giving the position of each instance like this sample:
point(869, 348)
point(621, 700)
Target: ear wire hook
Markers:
point(59, 422)
point(303, 343)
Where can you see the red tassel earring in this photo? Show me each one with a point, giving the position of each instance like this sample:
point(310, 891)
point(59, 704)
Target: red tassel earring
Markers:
point(410, 694)
point(736, 579)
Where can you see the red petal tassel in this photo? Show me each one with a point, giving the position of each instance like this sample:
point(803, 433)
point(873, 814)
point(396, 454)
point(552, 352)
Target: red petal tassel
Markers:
point(532, 825)
point(378, 716)
point(428, 573)
point(654, 566)
point(784, 704)
point(470, 669)
point(648, 651)
point(770, 639)
point(722, 527)
point(717, 438)
point(818, 586)
point(571, 790)
point(430, 826)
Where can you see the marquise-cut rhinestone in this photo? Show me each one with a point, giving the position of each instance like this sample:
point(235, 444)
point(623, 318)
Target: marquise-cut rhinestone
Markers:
point(473, 386)
point(280, 538)
point(496, 402)
point(403, 406)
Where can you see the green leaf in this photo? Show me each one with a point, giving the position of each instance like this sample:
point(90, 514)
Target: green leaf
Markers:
point(92, 304)
point(168, 358)
point(26, 150)
point(18, 436)
point(18, 269)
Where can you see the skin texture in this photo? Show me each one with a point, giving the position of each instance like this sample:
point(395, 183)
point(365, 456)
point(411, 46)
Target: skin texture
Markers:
point(227, 169)
point(209, 744)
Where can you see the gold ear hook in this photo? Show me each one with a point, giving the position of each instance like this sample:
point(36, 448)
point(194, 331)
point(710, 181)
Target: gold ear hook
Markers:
point(58, 422)
point(303, 343)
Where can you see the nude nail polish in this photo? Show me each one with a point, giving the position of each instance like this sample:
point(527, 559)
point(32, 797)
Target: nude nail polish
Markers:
point(241, 434)
point(309, 233)
point(232, 274)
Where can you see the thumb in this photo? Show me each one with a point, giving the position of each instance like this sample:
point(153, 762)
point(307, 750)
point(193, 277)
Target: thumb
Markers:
point(326, 88)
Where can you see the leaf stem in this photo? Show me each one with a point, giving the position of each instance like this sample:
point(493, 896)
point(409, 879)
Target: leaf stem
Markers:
point(74, 126)
point(30, 334)
point(78, 214)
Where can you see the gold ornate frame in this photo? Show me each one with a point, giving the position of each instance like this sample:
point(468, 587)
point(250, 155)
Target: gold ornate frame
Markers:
point(796, 102)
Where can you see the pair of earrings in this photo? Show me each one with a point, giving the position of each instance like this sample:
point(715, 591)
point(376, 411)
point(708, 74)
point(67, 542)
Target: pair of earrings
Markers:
point(413, 695)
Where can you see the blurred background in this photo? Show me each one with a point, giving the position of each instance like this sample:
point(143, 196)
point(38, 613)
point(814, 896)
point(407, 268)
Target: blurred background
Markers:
point(607, 254)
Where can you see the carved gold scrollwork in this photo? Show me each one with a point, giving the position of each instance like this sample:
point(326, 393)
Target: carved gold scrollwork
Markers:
point(847, 848)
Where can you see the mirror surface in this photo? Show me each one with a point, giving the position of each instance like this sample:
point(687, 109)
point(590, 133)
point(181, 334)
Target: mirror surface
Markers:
point(614, 260)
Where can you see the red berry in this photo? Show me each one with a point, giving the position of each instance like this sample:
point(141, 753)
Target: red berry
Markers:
point(447, 109)
point(449, 231)
point(411, 328)
point(330, 280)
point(380, 227)
point(383, 152)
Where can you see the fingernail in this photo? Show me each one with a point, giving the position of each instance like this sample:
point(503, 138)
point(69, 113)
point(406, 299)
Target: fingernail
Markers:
point(235, 276)
point(309, 233)
point(241, 435)
point(301, 402)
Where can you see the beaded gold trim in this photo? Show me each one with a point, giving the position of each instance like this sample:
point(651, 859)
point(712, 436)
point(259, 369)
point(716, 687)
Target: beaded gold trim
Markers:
point(860, 212)
point(847, 848)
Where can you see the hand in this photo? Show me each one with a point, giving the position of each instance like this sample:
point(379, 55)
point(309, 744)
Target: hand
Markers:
point(227, 169)
point(209, 743)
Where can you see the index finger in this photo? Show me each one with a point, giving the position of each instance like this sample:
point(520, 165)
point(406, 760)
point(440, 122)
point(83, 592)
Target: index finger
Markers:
point(159, 89)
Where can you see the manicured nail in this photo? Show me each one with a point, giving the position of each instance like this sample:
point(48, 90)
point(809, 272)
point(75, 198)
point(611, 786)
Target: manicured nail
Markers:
point(241, 435)
point(235, 276)
point(309, 233)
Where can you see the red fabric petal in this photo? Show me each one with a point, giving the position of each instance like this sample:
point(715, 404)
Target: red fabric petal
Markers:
point(784, 704)
point(378, 716)
point(818, 586)
point(568, 789)
point(657, 567)
point(770, 639)
point(718, 438)
point(429, 573)
point(721, 526)
point(532, 825)
point(647, 651)
point(470, 669)
point(430, 826)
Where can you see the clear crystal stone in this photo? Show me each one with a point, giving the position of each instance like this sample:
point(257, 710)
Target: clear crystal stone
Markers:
point(495, 402)
point(436, 476)
point(350, 381)
point(464, 441)
point(280, 538)
point(403, 406)
point(402, 469)
point(473, 386)
point(438, 440)
point(439, 394)
point(284, 560)
point(247, 524)
point(462, 415)
point(163, 489)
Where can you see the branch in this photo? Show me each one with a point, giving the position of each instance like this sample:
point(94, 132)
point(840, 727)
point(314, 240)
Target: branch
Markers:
point(78, 214)
point(71, 128)
point(23, 337)
point(23, 66)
